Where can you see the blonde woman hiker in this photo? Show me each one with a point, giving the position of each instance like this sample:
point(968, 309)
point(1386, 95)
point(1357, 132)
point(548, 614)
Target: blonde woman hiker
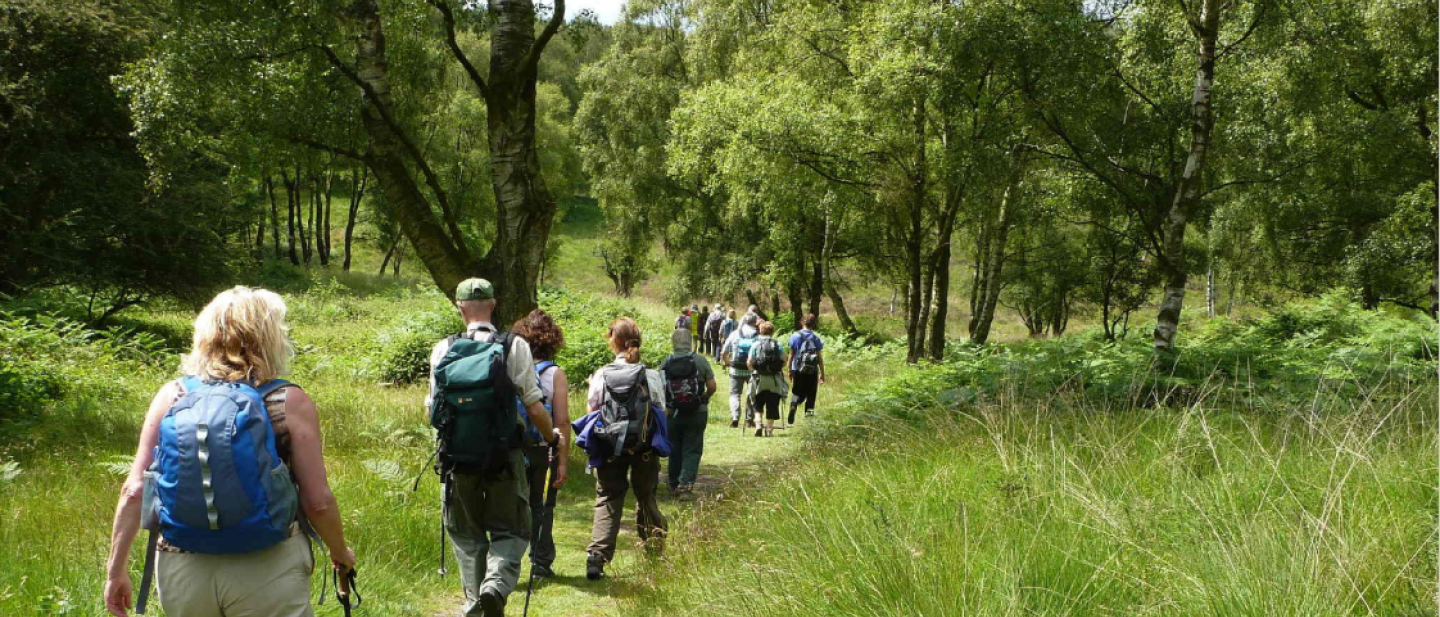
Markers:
point(625, 436)
point(232, 543)
point(767, 365)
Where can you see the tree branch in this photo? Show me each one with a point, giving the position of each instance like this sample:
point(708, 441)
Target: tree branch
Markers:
point(431, 180)
point(345, 152)
point(449, 17)
point(532, 57)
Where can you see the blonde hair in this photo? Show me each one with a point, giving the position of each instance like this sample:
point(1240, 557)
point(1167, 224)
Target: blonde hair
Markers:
point(240, 336)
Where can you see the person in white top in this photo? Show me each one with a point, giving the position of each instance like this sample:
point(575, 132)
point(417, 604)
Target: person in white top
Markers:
point(618, 474)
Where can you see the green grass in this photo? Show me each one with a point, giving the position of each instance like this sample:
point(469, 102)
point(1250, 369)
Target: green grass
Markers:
point(1012, 481)
point(1027, 506)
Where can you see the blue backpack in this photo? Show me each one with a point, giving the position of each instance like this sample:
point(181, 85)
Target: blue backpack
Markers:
point(217, 485)
point(741, 359)
point(532, 434)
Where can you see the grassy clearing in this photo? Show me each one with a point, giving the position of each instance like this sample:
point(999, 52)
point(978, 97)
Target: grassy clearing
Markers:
point(1032, 498)
point(61, 462)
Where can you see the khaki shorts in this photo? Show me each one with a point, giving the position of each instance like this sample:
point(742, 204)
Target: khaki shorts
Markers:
point(274, 582)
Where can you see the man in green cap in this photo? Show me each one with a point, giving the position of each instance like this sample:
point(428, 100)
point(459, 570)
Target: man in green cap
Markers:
point(486, 512)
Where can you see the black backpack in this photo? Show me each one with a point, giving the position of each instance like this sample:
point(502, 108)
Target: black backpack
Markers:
point(625, 410)
point(768, 359)
point(684, 391)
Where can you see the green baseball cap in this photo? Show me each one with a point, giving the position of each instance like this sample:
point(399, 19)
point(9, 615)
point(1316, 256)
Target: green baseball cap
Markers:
point(475, 289)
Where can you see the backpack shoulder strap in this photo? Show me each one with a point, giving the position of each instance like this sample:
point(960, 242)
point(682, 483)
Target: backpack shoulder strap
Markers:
point(190, 383)
point(271, 386)
point(544, 366)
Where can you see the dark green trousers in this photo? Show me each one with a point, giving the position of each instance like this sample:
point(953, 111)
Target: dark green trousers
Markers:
point(488, 518)
point(687, 444)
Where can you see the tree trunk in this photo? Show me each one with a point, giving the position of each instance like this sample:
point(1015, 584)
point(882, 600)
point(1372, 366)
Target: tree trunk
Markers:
point(290, 206)
point(839, 303)
point(750, 295)
point(995, 259)
point(386, 158)
point(1187, 194)
point(385, 263)
point(978, 282)
point(324, 233)
point(817, 287)
point(274, 213)
point(927, 294)
point(307, 214)
point(357, 193)
point(797, 304)
point(1211, 293)
point(524, 207)
point(913, 326)
point(774, 303)
point(941, 310)
point(260, 235)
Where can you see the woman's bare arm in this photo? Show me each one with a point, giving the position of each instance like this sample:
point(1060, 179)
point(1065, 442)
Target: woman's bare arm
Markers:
point(560, 404)
point(118, 587)
point(308, 464)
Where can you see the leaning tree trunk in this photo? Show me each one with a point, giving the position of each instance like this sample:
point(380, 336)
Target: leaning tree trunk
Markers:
point(1187, 194)
point(386, 157)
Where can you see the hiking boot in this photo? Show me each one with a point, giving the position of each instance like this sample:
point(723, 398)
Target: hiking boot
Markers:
point(492, 604)
point(594, 567)
point(541, 571)
point(759, 432)
point(734, 424)
point(749, 424)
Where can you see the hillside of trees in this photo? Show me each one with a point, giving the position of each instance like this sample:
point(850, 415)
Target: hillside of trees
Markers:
point(1127, 163)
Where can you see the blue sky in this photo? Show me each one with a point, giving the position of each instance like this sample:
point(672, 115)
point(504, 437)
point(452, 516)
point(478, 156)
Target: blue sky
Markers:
point(607, 10)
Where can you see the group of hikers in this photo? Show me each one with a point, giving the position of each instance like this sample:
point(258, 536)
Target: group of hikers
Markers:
point(230, 482)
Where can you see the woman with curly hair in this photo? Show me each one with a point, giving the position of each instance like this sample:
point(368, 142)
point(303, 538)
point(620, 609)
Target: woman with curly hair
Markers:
point(546, 339)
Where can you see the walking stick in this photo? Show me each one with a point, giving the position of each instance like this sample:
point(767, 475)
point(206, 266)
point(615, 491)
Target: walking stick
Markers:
point(548, 505)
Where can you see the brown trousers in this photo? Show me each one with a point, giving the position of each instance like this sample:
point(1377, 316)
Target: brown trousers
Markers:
point(612, 481)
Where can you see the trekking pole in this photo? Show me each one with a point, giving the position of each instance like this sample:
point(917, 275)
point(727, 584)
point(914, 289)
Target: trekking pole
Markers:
point(344, 588)
point(547, 505)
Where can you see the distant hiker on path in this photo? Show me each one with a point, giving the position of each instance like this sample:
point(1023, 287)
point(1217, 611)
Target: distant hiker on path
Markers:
point(625, 437)
point(689, 385)
point(697, 319)
point(683, 321)
point(807, 367)
point(736, 355)
point(710, 338)
point(545, 339)
point(767, 364)
point(215, 549)
point(475, 378)
point(727, 328)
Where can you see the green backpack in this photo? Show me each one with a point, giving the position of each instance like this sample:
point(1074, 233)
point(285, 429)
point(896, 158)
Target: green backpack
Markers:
point(474, 409)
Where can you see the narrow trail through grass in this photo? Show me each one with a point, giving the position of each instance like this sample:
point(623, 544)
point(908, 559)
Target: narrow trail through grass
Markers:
point(734, 459)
